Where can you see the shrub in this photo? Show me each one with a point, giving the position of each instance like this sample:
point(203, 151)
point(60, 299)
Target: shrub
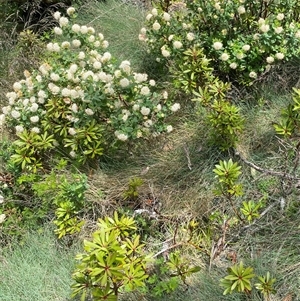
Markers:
point(243, 39)
point(113, 261)
point(81, 101)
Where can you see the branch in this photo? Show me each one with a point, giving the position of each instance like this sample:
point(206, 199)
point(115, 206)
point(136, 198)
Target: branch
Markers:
point(268, 171)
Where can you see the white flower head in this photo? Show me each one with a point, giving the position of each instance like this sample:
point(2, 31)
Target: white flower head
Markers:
point(34, 107)
point(175, 107)
point(270, 60)
point(15, 114)
point(124, 82)
point(76, 28)
point(165, 53)
point(148, 17)
point(280, 16)
point(152, 82)
point(58, 31)
point(73, 68)
point(241, 10)
point(148, 123)
point(246, 47)
point(140, 77)
point(70, 11)
point(91, 38)
point(224, 56)
point(63, 21)
point(106, 57)
point(19, 129)
point(97, 65)
point(125, 66)
point(105, 44)
point(74, 108)
point(65, 45)
point(135, 107)
point(56, 15)
point(177, 44)
point(2, 119)
point(72, 131)
point(278, 29)
point(240, 56)
point(76, 43)
point(121, 136)
point(169, 129)
point(297, 34)
point(91, 30)
point(89, 111)
point(217, 6)
point(84, 29)
point(154, 12)
point(2, 218)
point(72, 154)
point(17, 86)
point(145, 111)
point(217, 45)
point(190, 36)
point(253, 74)
point(1, 199)
point(145, 90)
point(81, 55)
point(264, 28)
point(54, 77)
point(34, 119)
point(166, 17)
point(156, 26)
point(6, 110)
point(35, 130)
point(233, 65)
point(279, 56)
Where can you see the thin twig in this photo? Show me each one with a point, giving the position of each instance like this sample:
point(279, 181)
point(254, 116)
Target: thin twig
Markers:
point(267, 171)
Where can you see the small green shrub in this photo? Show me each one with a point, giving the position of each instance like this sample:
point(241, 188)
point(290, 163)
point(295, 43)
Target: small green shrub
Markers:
point(227, 173)
point(289, 124)
point(65, 196)
point(167, 274)
point(239, 279)
point(132, 193)
point(113, 261)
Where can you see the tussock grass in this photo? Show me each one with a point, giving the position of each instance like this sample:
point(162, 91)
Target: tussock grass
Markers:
point(120, 24)
point(39, 269)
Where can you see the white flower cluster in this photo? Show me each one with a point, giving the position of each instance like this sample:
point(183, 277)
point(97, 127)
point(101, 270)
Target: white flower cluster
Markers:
point(88, 86)
point(166, 33)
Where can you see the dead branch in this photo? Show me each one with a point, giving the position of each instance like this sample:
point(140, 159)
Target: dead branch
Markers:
point(267, 171)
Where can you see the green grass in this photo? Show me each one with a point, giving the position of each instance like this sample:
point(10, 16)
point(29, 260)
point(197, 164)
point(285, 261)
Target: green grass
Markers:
point(39, 269)
point(120, 25)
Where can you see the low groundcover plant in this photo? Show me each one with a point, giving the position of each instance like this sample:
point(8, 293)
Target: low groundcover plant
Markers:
point(81, 100)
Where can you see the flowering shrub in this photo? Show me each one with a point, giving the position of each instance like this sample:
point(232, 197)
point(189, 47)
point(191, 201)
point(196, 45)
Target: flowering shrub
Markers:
point(242, 38)
point(81, 101)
